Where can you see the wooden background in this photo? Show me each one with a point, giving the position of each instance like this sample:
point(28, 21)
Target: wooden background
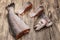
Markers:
point(50, 6)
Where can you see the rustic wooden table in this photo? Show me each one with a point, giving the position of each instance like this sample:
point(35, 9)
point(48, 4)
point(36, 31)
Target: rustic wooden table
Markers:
point(50, 7)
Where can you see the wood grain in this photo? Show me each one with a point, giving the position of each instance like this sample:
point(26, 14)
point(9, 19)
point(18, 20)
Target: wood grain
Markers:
point(51, 8)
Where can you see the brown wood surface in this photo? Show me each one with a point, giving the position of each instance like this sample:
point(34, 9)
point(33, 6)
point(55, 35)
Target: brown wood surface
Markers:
point(51, 7)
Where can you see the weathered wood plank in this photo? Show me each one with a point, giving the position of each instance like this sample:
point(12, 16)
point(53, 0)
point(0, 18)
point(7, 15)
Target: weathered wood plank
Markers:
point(59, 3)
point(50, 7)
